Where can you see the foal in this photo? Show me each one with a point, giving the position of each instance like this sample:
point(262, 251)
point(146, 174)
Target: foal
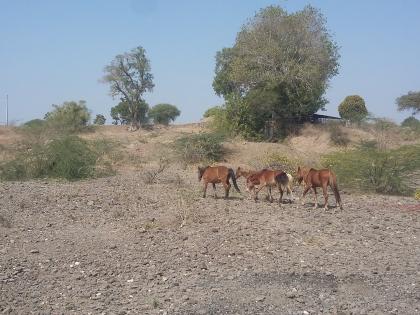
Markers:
point(269, 179)
point(319, 178)
point(215, 175)
point(240, 172)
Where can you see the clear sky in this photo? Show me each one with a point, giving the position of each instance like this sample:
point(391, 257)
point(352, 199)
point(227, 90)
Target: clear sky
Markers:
point(54, 51)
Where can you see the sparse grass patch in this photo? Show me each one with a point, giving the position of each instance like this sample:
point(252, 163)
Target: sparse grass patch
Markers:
point(185, 200)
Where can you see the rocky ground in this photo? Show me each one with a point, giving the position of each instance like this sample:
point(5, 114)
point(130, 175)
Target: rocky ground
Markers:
point(117, 245)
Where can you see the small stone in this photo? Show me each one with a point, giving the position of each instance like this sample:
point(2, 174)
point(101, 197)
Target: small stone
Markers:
point(130, 280)
point(215, 230)
point(292, 293)
point(34, 251)
point(113, 246)
point(260, 298)
point(90, 203)
point(203, 266)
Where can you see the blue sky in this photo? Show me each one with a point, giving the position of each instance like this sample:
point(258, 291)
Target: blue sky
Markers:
point(55, 51)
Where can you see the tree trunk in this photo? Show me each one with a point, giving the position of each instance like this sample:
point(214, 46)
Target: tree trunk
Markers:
point(134, 124)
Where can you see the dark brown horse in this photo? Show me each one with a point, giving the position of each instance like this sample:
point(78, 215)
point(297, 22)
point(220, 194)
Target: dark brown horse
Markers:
point(267, 178)
point(216, 175)
point(313, 178)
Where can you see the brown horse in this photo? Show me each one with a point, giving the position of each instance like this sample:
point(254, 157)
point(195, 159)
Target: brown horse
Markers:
point(215, 175)
point(313, 178)
point(269, 179)
point(240, 172)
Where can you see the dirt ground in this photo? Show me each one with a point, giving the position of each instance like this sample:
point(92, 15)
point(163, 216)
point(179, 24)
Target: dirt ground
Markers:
point(119, 246)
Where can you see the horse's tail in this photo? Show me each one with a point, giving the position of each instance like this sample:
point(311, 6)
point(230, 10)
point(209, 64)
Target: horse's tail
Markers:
point(282, 179)
point(231, 174)
point(334, 187)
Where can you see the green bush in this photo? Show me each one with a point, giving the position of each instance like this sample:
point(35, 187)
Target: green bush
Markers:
point(34, 123)
point(276, 160)
point(164, 113)
point(368, 168)
point(69, 157)
point(353, 108)
point(99, 120)
point(411, 123)
point(212, 111)
point(68, 117)
point(203, 147)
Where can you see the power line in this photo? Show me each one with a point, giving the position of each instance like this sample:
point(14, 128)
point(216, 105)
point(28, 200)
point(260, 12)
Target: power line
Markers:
point(7, 109)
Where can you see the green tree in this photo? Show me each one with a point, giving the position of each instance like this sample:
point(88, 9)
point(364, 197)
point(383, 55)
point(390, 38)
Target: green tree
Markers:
point(279, 66)
point(409, 101)
point(99, 119)
point(122, 115)
point(164, 113)
point(129, 77)
point(353, 108)
point(70, 116)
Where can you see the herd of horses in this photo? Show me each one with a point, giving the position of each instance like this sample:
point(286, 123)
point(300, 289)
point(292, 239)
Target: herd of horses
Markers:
point(268, 178)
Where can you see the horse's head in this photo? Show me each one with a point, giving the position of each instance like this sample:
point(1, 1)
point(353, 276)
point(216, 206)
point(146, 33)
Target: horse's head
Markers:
point(201, 172)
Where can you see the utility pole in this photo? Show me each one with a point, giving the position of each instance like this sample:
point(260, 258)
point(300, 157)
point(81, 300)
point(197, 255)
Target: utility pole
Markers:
point(7, 110)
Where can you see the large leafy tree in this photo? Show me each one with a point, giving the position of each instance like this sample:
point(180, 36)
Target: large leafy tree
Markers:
point(279, 66)
point(409, 101)
point(164, 113)
point(129, 78)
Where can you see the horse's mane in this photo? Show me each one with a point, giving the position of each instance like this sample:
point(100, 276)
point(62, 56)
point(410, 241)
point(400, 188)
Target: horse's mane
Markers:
point(201, 170)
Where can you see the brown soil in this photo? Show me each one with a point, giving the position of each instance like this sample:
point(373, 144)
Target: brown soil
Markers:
point(117, 246)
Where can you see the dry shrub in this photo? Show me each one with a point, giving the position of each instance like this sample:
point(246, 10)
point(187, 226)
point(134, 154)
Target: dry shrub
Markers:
point(337, 135)
point(151, 176)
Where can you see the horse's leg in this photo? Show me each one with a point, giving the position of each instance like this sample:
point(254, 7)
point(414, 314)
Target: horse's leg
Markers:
point(205, 189)
point(257, 191)
point(281, 195)
point(325, 191)
point(270, 196)
point(227, 188)
point(289, 190)
point(315, 198)
point(305, 191)
point(214, 190)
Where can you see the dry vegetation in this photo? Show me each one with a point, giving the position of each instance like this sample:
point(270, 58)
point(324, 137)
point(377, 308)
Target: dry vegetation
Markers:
point(145, 242)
